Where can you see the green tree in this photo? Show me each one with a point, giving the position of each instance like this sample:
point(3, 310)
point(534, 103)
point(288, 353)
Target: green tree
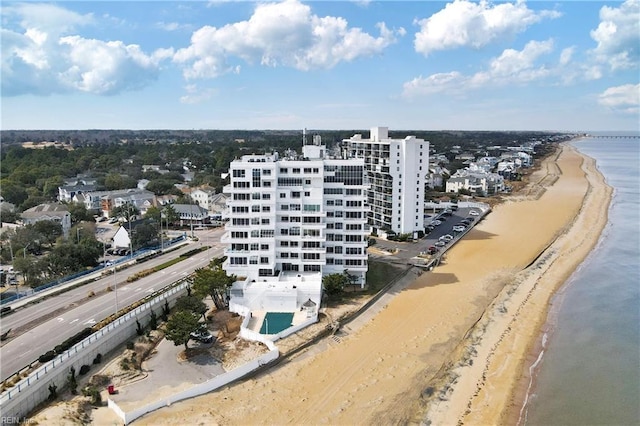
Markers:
point(334, 284)
point(180, 326)
point(126, 211)
point(214, 283)
point(153, 213)
point(144, 235)
point(79, 212)
point(161, 186)
point(170, 214)
point(192, 304)
point(49, 231)
point(13, 192)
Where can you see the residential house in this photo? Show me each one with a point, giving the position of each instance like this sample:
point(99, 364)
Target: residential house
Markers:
point(104, 202)
point(74, 186)
point(58, 213)
point(191, 214)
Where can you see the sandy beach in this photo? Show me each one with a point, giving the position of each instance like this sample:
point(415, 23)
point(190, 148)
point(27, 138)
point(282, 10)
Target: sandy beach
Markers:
point(452, 347)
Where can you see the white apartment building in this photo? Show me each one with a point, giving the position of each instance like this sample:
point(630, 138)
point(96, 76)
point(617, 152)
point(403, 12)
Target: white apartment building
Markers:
point(292, 220)
point(397, 170)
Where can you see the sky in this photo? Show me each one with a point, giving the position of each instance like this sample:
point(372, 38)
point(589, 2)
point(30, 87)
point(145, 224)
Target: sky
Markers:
point(420, 65)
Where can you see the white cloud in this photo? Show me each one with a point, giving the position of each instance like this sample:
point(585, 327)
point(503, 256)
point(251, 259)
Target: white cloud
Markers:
point(618, 36)
point(280, 34)
point(102, 67)
point(41, 55)
point(469, 24)
point(172, 26)
point(624, 98)
point(196, 95)
point(511, 67)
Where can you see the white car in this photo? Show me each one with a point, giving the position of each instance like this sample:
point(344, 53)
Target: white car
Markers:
point(447, 237)
point(436, 222)
point(474, 213)
point(439, 244)
point(458, 228)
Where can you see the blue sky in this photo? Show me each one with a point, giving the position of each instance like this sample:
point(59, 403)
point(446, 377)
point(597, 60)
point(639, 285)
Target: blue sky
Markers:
point(424, 65)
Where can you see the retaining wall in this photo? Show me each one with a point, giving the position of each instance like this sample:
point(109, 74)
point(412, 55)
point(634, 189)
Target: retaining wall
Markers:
point(31, 391)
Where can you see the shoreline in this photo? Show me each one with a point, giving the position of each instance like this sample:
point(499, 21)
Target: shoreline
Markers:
point(549, 319)
point(383, 370)
point(507, 379)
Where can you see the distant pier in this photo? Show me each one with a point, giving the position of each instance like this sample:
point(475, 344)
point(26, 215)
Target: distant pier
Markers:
point(614, 136)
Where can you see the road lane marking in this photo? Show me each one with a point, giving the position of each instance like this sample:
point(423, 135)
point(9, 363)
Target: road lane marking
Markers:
point(77, 319)
point(60, 319)
point(91, 321)
point(150, 290)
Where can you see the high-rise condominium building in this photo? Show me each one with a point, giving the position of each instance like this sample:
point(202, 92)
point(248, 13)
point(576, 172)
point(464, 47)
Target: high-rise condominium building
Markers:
point(294, 218)
point(397, 171)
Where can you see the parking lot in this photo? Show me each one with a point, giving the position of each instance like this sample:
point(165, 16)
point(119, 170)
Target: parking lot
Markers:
point(448, 220)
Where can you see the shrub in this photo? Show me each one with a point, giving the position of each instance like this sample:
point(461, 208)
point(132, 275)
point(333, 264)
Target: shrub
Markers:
point(53, 392)
point(97, 359)
point(84, 369)
point(130, 345)
point(47, 356)
point(71, 381)
point(78, 337)
point(94, 393)
point(91, 294)
point(153, 320)
point(139, 329)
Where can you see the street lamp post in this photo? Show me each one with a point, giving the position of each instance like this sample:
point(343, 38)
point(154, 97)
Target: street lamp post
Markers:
point(115, 287)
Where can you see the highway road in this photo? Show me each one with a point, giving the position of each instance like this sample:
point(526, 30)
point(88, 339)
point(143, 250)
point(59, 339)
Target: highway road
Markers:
point(53, 320)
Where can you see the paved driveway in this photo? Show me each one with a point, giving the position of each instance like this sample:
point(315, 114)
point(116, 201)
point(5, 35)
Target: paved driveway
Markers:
point(167, 375)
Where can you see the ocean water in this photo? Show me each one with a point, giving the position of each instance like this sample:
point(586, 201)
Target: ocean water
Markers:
point(589, 370)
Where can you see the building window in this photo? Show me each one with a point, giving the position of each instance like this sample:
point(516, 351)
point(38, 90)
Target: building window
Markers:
point(283, 195)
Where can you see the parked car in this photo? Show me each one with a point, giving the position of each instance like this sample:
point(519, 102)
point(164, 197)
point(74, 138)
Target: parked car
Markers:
point(432, 250)
point(439, 244)
point(113, 220)
point(459, 228)
point(447, 238)
point(436, 222)
point(202, 336)
point(474, 213)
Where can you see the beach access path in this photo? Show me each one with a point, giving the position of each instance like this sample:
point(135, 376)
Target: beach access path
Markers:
point(390, 368)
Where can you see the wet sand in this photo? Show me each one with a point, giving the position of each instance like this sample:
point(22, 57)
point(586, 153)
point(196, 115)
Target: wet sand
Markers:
point(452, 345)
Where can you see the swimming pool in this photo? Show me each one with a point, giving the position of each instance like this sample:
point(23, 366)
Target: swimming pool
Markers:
point(275, 322)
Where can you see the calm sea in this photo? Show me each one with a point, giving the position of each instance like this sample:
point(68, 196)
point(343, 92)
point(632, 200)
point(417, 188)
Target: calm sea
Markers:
point(589, 370)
